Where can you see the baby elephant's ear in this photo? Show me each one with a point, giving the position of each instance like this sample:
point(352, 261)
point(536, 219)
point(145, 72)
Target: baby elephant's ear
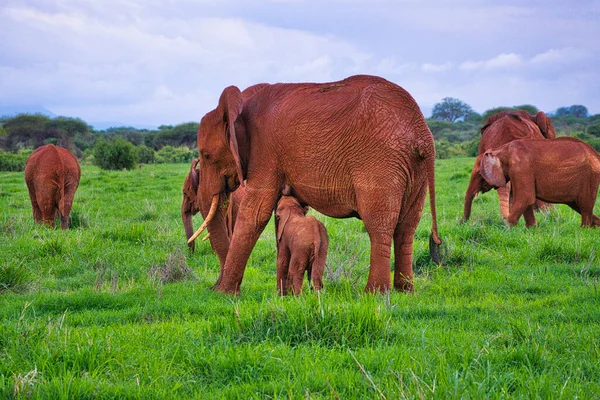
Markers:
point(284, 216)
point(491, 170)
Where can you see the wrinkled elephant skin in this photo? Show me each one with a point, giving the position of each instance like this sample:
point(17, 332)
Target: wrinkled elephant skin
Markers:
point(359, 147)
point(564, 170)
point(501, 128)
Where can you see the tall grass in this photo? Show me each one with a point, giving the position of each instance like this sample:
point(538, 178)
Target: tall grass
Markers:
point(117, 308)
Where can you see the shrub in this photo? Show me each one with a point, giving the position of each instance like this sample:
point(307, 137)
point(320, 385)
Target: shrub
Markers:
point(171, 155)
point(114, 154)
point(594, 130)
point(146, 155)
point(14, 162)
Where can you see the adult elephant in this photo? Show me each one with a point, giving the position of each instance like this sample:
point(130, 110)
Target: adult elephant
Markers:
point(359, 147)
point(52, 176)
point(499, 129)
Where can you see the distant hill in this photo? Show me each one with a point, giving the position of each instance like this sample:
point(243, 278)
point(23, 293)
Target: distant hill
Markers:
point(11, 111)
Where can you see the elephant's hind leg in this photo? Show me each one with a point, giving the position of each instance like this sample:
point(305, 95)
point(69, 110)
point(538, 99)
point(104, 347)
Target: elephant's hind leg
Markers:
point(37, 213)
point(404, 236)
point(380, 222)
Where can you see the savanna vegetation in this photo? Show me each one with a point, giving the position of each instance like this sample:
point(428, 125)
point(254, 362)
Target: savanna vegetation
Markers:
point(117, 308)
point(453, 123)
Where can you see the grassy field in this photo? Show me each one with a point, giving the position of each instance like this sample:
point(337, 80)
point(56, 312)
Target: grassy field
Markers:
point(117, 308)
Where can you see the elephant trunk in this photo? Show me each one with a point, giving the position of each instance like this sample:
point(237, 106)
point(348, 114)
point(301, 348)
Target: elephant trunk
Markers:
point(186, 217)
point(476, 185)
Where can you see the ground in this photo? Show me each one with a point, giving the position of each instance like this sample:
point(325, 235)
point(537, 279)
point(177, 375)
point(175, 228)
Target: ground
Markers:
point(117, 308)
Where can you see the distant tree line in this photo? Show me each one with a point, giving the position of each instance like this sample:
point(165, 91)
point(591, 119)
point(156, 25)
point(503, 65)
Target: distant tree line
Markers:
point(113, 148)
point(454, 124)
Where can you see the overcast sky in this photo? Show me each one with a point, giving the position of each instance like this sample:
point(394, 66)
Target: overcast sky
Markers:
point(152, 62)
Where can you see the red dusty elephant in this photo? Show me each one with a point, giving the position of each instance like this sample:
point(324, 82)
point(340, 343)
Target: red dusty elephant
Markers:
point(497, 130)
point(359, 147)
point(190, 205)
point(52, 176)
point(301, 246)
point(565, 170)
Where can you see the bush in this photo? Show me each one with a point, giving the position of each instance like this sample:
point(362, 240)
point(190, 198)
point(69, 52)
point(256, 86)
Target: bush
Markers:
point(114, 154)
point(14, 162)
point(172, 155)
point(146, 155)
point(594, 130)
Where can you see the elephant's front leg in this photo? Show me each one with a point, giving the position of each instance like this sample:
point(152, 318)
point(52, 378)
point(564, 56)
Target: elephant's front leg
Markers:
point(254, 214)
point(283, 265)
point(504, 198)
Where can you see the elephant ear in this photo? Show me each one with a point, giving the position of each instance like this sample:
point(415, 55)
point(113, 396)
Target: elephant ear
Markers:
point(545, 124)
point(491, 170)
point(194, 174)
point(230, 107)
point(283, 216)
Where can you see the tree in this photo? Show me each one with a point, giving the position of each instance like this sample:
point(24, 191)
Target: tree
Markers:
point(576, 110)
point(451, 109)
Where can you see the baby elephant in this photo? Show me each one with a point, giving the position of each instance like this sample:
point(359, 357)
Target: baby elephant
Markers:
point(564, 170)
point(301, 246)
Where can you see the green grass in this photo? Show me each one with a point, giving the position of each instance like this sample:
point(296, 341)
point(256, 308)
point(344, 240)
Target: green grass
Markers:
point(117, 308)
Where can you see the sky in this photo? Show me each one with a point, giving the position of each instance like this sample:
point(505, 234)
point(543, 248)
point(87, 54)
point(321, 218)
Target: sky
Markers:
point(154, 62)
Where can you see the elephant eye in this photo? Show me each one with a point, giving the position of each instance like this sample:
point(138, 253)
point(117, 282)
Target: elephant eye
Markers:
point(206, 156)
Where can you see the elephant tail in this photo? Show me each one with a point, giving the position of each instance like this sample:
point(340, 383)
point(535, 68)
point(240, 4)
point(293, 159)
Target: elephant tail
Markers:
point(60, 182)
point(435, 243)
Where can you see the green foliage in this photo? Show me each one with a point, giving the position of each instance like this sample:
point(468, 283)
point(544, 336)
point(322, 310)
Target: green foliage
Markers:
point(145, 154)
point(576, 110)
point(114, 154)
point(175, 136)
point(594, 130)
point(34, 130)
point(514, 313)
point(450, 109)
point(14, 161)
point(171, 155)
point(3, 132)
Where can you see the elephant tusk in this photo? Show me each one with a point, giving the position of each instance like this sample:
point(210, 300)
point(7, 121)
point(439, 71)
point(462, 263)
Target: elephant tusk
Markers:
point(209, 217)
point(206, 237)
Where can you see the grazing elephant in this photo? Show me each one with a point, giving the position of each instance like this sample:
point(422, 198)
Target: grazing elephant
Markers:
point(52, 176)
point(190, 205)
point(564, 170)
point(359, 147)
point(497, 130)
point(301, 246)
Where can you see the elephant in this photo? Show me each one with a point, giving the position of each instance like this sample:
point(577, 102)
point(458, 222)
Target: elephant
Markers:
point(190, 207)
point(52, 176)
point(501, 128)
point(302, 244)
point(359, 147)
point(564, 170)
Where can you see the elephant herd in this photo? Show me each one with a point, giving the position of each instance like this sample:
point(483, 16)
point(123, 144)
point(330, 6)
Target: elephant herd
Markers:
point(360, 148)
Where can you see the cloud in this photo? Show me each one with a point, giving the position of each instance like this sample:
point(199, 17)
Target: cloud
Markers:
point(501, 61)
point(428, 67)
point(149, 61)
